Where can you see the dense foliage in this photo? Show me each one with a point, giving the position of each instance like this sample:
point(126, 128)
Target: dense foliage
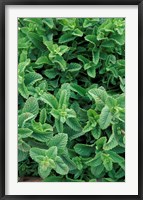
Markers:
point(71, 102)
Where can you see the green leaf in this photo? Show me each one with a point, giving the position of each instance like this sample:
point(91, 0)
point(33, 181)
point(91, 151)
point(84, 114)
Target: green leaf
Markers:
point(96, 132)
point(99, 95)
point(107, 162)
point(22, 66)
point(120, 173)
point(88, 127)
point(111, 102)
point(66, 37)
point(23, 146)
point(61, 167)
point(64, 98)
point(71, 165)
point(24, 132)
point(36, 40)
point(83, 59)
point(23, 118)
point(49, 45)
point(101, 142)
point(71, 113)
point(63, 49)
point(23, 56)
point(43, 116)
point(108, 44)
point(96, 56)
point(83, 149)
point(60, 60)
point(59, 125)
point(42, 60)
point(77, 32)
point(31, 106)
point(49, 22)
point(41, 128)
point(74, 124)
point(74, 67)
point(111, 143)
point(77, 88)
point(60, 141)
point(91, 72)
point(105, 118)
point(44, 137)
point(22, 155)
point(32, 77)
point(49, 99)
point(50, 73)
point(97, 171)
point(96, 161)
point(22, 89)
point(43, 173)
point(50, 153)
point(91, 38)
point(119, 39)
point(116, 158)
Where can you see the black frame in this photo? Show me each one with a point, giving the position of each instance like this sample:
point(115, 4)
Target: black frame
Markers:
point(3, 3)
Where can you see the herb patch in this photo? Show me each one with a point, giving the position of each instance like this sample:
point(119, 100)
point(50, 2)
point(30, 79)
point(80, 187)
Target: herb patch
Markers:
point(71, 99)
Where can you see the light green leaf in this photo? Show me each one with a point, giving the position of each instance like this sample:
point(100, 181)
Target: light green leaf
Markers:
point(96, 161)
point(49, 99)
point(107, 161)
point(60, 60)
point(22, 89)
point(42, 60)
point(64, 98)
point(44, 137)
point(91, 72)
point(49, 22)
point(61, 167)
point(111, 143)
point(77, 32)
point(31, 106)
point(83, 149)
point(99, 95)
point(43, 173)
point(100, 142)
point(23, 146)
point(60, 141)
point(66, 37)
point(23, 118)
point(119, 39)
point(24, 132)
point(74, 124)
point(50, 153)
point(77, 88)
point(91, 38)
point(59, 125)
point(105, 118)
point(22, 66)
point(88, 127)
point(43, 116)
point(96, 132)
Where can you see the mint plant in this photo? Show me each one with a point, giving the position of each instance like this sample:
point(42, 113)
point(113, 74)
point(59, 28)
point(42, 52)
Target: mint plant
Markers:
point(71, 99)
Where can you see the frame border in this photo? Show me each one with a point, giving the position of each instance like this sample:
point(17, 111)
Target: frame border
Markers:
point(3, 3)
